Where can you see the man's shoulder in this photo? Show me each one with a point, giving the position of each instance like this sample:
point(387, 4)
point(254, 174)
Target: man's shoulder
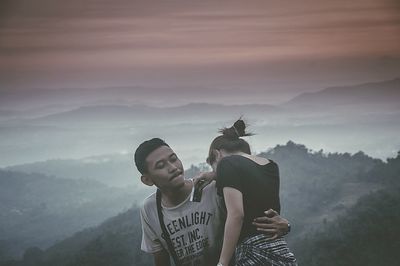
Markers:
point(210, 193)
point(149, 202)
point(210, 188)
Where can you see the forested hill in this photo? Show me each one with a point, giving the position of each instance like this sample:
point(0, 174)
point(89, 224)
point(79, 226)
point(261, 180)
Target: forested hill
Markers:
point(316, 187)
point(38, 210)
point(338, 205)
point(366, 234)
point(115, 242)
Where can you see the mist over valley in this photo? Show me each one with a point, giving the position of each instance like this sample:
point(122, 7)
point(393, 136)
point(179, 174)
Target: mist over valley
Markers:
point(70, 191)
point(354, 119)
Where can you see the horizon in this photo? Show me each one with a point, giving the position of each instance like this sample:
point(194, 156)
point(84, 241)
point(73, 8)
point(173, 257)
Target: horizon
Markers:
point(157, 104)
point(57, 56)
point(254, 51)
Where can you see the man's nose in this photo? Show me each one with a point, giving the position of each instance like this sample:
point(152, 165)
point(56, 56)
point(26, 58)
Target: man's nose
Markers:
point(172, 167)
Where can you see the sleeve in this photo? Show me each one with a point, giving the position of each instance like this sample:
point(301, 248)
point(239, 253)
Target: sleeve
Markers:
point(228, 175)
point(150, 241)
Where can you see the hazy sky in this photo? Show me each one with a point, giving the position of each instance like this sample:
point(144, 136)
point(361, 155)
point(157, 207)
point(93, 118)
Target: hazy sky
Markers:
point(278, 48)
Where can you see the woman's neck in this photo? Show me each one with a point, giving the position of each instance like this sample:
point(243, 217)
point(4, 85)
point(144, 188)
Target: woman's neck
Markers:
point(225, 153)
point(255, 158)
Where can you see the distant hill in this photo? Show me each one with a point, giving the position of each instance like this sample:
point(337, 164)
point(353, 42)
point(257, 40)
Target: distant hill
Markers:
point(366, 234)
point(45, 202)
point(336, 119)
point(122, 114)
point(385, 92)
point(37, 97)
point(115, 170)
point(37, 210)
point(8, 114)
point(115, 242)
point(32, 99)
point(316, 189)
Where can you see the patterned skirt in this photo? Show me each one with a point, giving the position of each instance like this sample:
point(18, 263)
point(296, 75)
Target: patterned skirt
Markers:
point(256, 250)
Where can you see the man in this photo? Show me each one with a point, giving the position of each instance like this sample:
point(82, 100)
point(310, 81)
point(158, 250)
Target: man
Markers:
point(192, 230)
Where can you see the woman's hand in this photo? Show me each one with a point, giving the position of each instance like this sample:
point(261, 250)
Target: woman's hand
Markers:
point(272, 224)
point(205, 178)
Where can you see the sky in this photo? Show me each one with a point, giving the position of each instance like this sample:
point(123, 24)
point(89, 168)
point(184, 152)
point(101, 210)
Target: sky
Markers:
point(275, 48)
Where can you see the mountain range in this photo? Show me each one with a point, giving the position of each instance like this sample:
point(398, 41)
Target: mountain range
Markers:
point(385, 92)
point(334, 119)
point(318, 192)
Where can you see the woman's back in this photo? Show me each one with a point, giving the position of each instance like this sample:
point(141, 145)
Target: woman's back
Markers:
point(258, 183)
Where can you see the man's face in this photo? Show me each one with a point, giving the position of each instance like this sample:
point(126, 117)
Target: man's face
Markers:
point(165, 169)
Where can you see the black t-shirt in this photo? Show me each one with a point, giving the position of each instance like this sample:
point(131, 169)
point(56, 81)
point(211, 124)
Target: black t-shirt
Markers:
point(259, 185)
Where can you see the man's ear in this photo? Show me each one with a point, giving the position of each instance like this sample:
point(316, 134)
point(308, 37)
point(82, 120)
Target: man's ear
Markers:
point(217, 154)
point(147, 180)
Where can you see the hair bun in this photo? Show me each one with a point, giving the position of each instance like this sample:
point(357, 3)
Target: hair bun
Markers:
point(236, 131)
point(240, 128)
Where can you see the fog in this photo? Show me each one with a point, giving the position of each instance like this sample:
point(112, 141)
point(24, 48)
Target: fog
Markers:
point(318, 120)
point(69, 165)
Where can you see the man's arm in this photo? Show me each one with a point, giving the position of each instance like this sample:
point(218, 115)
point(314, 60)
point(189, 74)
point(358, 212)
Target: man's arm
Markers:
point(161, 258)
point(272, 224)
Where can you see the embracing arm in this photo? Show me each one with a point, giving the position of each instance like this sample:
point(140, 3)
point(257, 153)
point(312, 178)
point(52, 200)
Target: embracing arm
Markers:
point(161, 258)
point(233, 224)
point(272, 224)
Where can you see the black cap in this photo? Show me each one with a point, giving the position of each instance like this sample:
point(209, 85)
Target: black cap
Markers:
point(144, 150)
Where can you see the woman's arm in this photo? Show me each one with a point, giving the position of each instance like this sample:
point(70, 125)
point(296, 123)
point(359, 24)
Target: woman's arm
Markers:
point(161, 258)
point(233, 225)
point(205, 176)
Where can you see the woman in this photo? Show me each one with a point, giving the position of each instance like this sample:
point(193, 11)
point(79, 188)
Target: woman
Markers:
point(249, 185)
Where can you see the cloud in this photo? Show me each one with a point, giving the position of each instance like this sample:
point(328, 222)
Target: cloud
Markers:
point(222, 43)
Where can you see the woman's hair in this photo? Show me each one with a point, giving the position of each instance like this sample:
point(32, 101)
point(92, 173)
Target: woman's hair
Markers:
point(230, 140)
